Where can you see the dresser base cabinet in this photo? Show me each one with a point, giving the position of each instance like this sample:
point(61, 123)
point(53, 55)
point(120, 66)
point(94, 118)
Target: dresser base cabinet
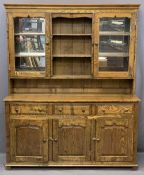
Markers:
point(71, 134)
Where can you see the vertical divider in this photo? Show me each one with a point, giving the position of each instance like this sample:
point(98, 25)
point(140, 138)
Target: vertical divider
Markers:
point(48, 45)
point(95, 44)
point(55, 139)
point(11, 45)
point(50, 143)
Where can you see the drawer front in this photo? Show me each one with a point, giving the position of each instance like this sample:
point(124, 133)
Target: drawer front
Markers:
point(28, 109)
point(62, 109)
point(81, 109)
point(114, 109)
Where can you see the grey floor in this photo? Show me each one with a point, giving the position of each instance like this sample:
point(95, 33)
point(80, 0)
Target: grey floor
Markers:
point(73, 171)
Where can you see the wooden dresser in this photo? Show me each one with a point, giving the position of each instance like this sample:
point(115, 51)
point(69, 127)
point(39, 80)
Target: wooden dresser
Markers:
point(72, 83)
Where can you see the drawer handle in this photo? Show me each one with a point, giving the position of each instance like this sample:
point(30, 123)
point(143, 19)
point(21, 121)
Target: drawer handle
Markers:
point(50, 139)
point(53, 140)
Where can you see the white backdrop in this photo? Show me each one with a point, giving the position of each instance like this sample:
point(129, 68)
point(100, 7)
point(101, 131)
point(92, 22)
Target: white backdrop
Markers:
point(140, 58)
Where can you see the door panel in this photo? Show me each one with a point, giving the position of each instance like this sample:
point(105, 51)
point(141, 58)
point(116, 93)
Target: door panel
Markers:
point(28, 140)
point(70, 140)
point(114, 139)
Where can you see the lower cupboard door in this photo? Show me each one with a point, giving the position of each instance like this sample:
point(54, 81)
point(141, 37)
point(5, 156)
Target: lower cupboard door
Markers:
point(113, 139)
point(69, 140)
point(28, 140)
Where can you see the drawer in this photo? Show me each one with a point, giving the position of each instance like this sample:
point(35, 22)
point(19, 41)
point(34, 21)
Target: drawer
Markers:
point(28, 109)
point(117, 109)
point(81, 109)
point(62, 109)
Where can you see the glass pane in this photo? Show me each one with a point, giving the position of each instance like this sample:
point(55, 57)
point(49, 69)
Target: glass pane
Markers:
point(115, 24)
point(30, 63)
point(114, 43)
point(113, 63)
point(33, 43)
point(29, 25)
point(29, 44)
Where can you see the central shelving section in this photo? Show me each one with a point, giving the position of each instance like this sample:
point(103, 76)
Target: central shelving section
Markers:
point(72, 47)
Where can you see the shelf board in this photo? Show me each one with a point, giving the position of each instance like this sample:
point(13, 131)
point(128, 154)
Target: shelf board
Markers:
point(113, 54)
point(72, 34)
point(72, 98)
point(32, 54)
point(29, 33)
point(115, 33)
point(71, 76)
point(73, 55)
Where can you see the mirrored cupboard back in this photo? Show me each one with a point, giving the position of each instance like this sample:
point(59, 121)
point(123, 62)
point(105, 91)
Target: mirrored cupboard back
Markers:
point(71, 95)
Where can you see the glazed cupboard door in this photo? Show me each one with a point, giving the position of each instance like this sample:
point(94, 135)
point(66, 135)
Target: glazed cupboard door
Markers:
point(28, 47)
point(113, 139)
point(114, 45)
point(69, 140)
point(28, 140)
point(71, 45)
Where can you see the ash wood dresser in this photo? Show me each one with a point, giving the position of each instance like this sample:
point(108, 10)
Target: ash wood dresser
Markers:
point(71, 85)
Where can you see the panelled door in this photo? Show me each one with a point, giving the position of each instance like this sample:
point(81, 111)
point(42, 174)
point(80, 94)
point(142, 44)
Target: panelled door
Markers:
point(114, 44)
point(28, 140)
point(29, 52)
point(113, 138)
point(69, 140)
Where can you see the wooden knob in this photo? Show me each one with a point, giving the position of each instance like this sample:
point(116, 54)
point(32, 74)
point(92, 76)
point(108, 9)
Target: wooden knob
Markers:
point(47, 41)
point(44, 141)
point(83, 110)
point(60, 110)
point(16, 110)
point(96, 44)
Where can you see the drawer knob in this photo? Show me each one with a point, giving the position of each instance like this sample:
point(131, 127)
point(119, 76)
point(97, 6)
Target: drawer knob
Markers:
point(16, 110)
point(60, 110)
point(44, 141)
point(55, 140)
point(83, 110)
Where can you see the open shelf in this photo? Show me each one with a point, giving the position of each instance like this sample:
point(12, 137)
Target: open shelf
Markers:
point(73, 55)
point(71, 76)
point(72, 67)
point(72, 45)
point(79, 26)
point(72, 34)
